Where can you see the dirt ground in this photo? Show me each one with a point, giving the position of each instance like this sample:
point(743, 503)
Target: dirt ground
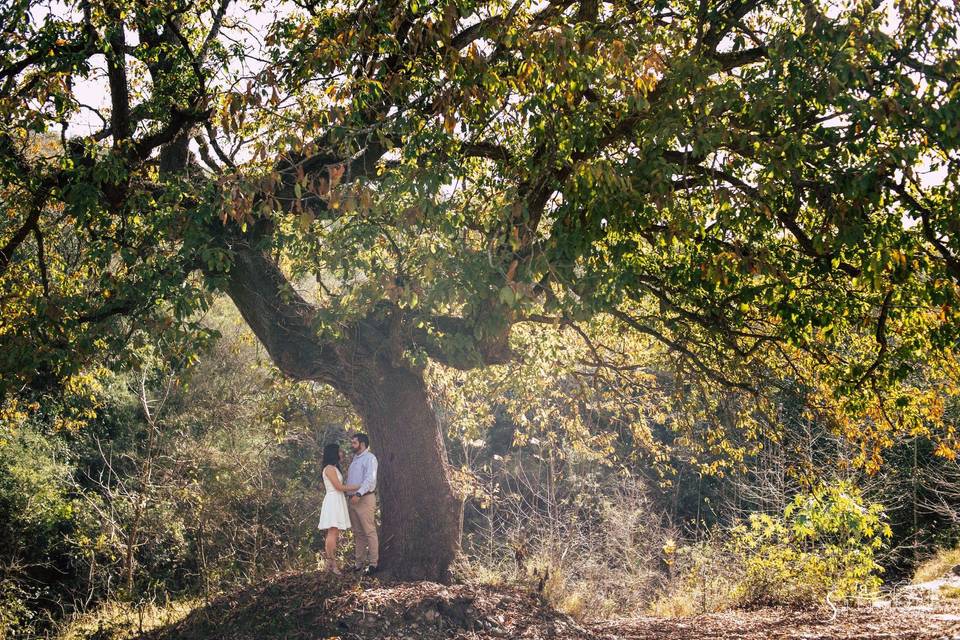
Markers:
point(863, 623)
point(308, 606)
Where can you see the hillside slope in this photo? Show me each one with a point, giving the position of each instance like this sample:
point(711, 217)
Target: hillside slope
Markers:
point(315, 605)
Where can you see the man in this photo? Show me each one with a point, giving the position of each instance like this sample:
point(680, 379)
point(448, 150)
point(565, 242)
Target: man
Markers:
point(363, 504)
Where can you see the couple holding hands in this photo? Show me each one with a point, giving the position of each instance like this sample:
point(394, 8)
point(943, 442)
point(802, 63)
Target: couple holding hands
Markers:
point(359, 513)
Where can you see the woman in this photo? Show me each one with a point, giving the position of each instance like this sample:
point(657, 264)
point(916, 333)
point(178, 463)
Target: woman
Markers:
point(333, 514)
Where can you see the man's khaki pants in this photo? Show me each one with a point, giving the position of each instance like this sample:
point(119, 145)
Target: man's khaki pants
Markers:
point(364, 524)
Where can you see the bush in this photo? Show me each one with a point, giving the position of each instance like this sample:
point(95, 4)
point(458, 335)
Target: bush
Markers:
point(217, 487)
point(39, 520)
point(14, 612)
point(820, 550)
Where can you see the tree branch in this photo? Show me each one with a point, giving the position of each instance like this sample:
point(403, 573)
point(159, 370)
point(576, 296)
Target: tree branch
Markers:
point(881, 336)
point(724, 22)
point(489, 350)
point(951, 260)
point(680, 348)
point(41, 260)
point(281, 319)
point(29, 225)
point(736, 59)
point(484, 149)
point(786, 217)
point(117, 75)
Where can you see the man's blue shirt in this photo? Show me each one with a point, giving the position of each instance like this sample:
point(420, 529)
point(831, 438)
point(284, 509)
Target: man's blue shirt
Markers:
point(363, 471)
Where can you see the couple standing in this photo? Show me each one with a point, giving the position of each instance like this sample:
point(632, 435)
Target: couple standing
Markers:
point(360, 514)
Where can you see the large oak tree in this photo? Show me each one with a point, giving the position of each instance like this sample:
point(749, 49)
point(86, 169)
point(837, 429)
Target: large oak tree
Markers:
point(375, 184)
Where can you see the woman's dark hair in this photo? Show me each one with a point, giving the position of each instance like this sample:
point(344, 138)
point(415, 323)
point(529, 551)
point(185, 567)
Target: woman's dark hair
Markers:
point(331, 455)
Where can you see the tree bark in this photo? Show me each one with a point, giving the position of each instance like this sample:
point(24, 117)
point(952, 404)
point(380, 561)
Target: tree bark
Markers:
point(420, 523)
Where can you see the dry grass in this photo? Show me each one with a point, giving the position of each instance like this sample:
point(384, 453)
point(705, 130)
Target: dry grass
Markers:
point(564, 592)
point(476, 573)
point(675, 604)
point(586, 590)
point(950, 593)
point(704, 580)
point(122, 621)
point(937, 566)
point(591, 567)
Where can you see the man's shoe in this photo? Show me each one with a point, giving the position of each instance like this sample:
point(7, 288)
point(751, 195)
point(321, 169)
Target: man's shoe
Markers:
point(358, 569)
point(369, 571)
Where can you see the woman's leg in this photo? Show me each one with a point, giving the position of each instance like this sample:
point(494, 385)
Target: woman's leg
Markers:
point(331, 549)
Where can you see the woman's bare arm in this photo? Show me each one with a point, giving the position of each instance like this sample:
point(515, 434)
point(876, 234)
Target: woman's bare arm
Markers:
point(331, 473)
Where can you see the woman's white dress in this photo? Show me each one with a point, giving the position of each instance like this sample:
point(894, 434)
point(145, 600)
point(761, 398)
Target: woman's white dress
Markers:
point(334, 512)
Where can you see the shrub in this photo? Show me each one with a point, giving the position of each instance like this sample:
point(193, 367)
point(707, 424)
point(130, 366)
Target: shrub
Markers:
point(125, 621)
point(950, 593)
point(14, 612)
point(39, 519)
point(820, 550)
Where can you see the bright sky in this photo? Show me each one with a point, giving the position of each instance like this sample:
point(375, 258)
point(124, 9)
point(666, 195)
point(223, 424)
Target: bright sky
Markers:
point(239, 26)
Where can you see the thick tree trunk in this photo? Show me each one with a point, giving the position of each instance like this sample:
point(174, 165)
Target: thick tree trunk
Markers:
point(419, 533)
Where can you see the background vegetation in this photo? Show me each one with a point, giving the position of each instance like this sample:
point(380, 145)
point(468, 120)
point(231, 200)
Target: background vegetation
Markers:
point(186, 468)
